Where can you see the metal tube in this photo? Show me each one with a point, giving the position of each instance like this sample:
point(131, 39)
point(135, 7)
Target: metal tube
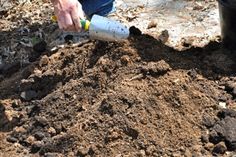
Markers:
point(102, 28)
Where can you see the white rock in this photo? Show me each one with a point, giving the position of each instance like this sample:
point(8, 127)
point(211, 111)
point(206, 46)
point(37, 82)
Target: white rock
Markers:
point(222, 105)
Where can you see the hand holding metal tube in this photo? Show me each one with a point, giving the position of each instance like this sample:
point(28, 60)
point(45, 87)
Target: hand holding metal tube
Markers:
point(70, 17)
point(69, 13)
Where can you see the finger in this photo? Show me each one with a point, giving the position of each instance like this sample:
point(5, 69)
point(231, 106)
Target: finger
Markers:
point(77, 24)
point(70, 28)
point(62, 21)
point(68, 20)
point(76, 19)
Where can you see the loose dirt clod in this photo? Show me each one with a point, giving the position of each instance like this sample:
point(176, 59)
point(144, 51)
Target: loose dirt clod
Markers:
point(220, 148)
point(224, 130)
point(152, 24)
point(28, 95)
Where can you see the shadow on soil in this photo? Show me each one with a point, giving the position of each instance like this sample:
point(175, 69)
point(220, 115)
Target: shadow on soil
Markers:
point(211, 61)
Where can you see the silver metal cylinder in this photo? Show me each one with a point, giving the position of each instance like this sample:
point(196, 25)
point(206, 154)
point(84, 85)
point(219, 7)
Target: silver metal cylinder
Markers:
point(102, 28)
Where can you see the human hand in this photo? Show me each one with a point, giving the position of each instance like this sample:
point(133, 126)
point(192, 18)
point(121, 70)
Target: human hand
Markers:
point(68, 13)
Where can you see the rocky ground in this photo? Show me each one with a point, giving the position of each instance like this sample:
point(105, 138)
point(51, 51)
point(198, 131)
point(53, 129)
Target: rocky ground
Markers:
point(139, 97)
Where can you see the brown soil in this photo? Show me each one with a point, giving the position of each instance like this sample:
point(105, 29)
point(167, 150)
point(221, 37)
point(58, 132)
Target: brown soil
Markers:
point(133, 98)
point(137, 98)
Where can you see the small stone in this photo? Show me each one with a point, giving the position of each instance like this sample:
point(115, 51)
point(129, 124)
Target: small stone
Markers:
point(222, 98)
point(25, 151)
point(198, 7)
point(209, 146)
point(125, 60)
point(208, 121)
point(102, 61)
point(36, 146)
point(182, 149)
point(41, 120)
point(28, 95)
point(192, 73)
point(39, 135)
point(18, 145)
point(204, 139)
point(74, 96)
point(156, 68)
point(220, 148)
point(11, 115)
point(187, 153)
point(58, 128)
point(11, 139)
point(52, 131)
point(214, 137)
point(222, 105)
point(20, 129)
point(37, 72)
point(142, 152)
point(152, 24)
point(30, 139)
point(138, 59)
point(230, 133)
point(197, 148)
point(44, 61)
point(82, 151)
point(164, 36)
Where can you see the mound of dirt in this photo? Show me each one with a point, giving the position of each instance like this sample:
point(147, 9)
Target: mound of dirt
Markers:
point(134, 98)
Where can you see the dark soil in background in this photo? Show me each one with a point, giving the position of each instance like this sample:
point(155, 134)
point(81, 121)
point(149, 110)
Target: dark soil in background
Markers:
point(135, 98)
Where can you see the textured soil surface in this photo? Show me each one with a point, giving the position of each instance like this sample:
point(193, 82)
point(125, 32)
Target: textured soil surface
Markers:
point(133, 98)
